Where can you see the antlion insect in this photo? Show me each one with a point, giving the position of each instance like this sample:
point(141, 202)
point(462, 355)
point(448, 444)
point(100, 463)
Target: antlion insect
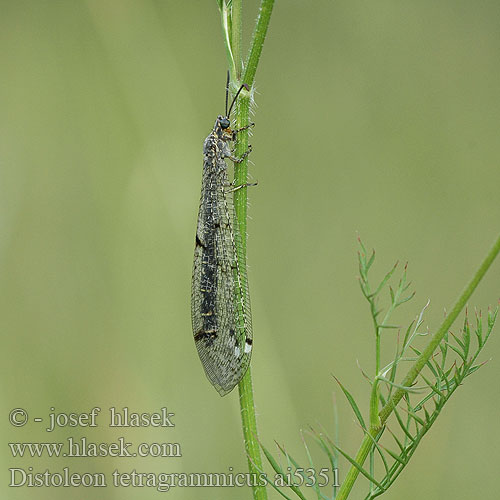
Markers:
point(220, 305)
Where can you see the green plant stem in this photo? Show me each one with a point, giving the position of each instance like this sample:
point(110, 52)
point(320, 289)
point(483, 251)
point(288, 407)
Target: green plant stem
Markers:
point(248, 418)
point(249, 424)
point(374, 399)
point(237, 23)
point(367, 443)
point(249, 421)
point(259, 35)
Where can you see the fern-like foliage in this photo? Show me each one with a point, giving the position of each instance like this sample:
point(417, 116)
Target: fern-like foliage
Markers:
point(393, 442)
point(419, 412)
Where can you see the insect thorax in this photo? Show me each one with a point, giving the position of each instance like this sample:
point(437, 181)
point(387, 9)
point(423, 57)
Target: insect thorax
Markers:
point(215, 149)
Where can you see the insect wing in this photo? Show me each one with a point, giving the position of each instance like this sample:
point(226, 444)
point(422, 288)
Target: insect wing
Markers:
point(220, 304)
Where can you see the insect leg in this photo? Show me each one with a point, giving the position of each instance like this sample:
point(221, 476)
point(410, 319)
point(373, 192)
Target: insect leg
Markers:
point(243, 128)
point(242, 157)
point(235, 188)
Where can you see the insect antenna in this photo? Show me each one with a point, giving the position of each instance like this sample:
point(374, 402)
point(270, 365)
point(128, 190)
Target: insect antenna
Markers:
point(244, 86)
point(227, 89)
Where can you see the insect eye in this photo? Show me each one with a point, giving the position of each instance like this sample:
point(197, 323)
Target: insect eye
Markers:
point(224, 123)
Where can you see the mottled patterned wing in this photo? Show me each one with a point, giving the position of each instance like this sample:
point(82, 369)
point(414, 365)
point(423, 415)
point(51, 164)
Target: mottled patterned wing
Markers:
point(220, 304)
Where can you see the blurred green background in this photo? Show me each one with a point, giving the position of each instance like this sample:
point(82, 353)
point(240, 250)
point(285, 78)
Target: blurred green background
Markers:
point(372, 117)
